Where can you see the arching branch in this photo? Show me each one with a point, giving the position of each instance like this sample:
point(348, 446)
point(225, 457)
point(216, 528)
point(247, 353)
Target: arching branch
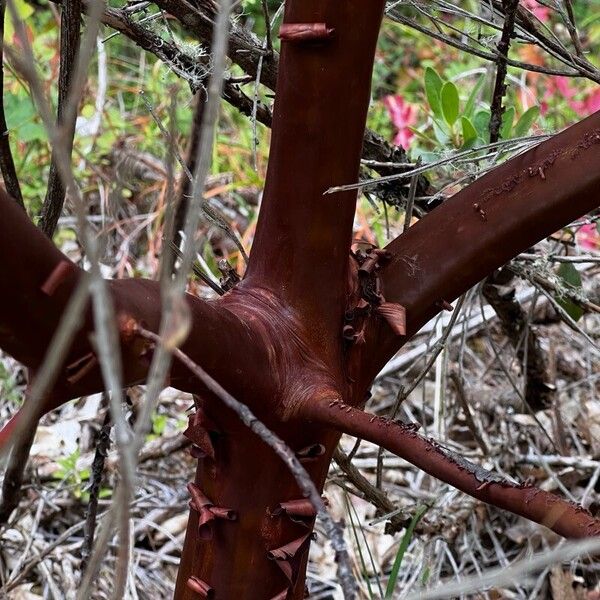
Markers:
point(562, 517)
point(481, 228)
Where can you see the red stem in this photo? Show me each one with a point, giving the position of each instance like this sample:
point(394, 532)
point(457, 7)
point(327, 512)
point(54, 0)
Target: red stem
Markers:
point(481, 228)
point(562, 517)
point(38, 280)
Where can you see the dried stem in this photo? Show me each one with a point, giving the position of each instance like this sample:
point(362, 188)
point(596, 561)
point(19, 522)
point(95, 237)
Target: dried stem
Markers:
point(496, 108)
point(7, 165)
point(100, 454)
point(69, 49)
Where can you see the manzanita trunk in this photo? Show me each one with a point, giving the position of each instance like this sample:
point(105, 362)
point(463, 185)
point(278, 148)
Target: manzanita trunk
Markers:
point(301, 337)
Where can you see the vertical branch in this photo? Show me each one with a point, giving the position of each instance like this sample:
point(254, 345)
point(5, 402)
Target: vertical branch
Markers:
point(185, 187)
point(496, 108)
point(91, 514)
point(70, 35)
point(7, 165)
point(15, 472)
point(572, 28)
point(303, 238)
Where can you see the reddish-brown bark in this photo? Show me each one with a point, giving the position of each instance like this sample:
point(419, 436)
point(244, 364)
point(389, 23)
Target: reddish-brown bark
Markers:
point(564, 518)
point(283, 340)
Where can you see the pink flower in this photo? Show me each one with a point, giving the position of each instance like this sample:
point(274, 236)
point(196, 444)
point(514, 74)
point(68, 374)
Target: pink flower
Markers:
point(588, 237)
point(402, 115)
point(589, 104)
point(541, 12)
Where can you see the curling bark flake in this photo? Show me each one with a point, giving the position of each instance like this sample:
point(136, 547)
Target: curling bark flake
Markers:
point(301, 337)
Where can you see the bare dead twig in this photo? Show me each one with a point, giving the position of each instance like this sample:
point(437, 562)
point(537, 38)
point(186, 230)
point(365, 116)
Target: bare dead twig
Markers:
point(69, 48)
point(14, 473)
point(7, 165)
point(372, 494)
point(496, 108)
point(102, 447)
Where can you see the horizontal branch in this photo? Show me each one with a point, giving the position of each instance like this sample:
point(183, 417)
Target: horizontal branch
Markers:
point(37, 282)
point(562, 517)
point(193, 69)
point(481, 228)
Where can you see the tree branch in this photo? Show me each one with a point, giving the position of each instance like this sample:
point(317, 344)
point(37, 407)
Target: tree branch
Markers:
point(70, 35)
point(562, 517)
point(303, 238)
point(38, 281)
point(7, 165)
point(481, 228)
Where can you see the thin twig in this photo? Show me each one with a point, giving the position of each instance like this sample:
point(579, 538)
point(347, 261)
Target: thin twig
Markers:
point(102, 447)
point(410, 201)
point(438, 163)
point(496, 108)
point(7, 165)
point(507, 576)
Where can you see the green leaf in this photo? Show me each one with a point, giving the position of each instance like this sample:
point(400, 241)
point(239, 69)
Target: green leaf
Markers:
point(159, 422)
point(470, 105)
point(425, 576)
point(481, 122)
point(31, 132)
point(526, 121)
point(441, 133)
point(508, 116)
point(469, 133)
point(572, 280)
point(598, 227)
point(450, 102)
point(433, 90)
point(420, 512)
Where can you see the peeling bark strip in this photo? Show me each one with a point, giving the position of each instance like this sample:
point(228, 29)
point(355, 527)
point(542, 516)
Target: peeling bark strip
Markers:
point(561, 516)
point(395, 315)
point(58, 275)
point(200, 587)
point(197, 432)
point(305, 32)
point(300, 511)
point(207, 511)
point(288, 556)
